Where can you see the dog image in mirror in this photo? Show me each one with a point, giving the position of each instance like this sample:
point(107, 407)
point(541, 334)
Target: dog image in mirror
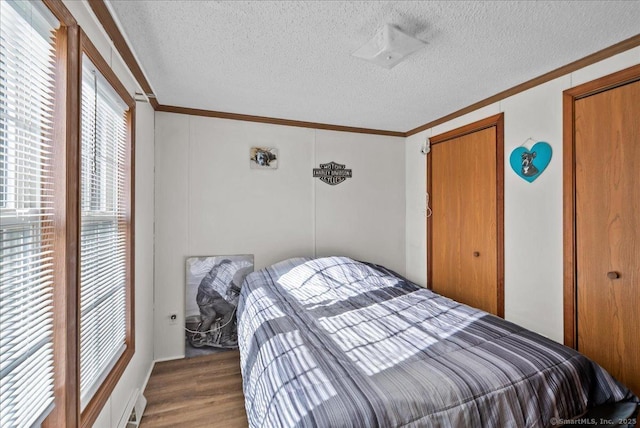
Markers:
point(262, 157)
point(528, 168)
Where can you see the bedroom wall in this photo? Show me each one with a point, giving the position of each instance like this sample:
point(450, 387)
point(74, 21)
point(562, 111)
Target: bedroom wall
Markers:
point(209, 202)
point(533, 211)
point(136, 374)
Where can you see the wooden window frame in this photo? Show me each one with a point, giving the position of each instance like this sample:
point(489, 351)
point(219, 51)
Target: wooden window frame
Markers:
point(71, 44)
point(95, 405)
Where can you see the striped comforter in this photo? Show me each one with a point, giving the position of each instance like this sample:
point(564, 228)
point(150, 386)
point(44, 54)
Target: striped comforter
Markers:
point(332, 342)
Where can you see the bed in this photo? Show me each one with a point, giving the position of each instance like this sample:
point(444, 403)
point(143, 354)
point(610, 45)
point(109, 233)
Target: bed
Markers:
point(333, 342)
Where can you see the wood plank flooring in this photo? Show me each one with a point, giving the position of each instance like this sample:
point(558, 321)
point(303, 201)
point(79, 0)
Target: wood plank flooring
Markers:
point(197, 392)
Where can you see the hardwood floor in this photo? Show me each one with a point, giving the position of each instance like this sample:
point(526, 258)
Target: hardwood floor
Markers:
point(196, 392)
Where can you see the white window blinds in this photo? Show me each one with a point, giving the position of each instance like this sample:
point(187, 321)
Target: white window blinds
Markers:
point(103, 248)
point(27, 58)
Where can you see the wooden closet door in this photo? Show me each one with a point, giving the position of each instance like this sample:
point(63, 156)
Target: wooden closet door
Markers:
point(464, 234)
point(607, 180)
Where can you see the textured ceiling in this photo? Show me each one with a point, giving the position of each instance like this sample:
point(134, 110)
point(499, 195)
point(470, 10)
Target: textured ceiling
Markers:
point(292, 59)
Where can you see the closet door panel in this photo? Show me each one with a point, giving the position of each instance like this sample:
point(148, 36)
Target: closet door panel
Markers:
point(464, 229)
point(607, 161)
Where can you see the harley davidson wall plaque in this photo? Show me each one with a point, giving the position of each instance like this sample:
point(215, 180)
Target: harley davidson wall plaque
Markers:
point(332, 173)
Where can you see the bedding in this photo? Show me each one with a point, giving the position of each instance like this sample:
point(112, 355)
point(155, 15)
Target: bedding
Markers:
point(332, 342)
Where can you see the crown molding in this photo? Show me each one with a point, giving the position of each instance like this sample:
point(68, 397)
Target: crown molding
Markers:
point(276, 121)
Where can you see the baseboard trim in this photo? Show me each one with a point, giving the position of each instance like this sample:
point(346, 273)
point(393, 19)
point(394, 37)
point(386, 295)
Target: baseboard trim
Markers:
point(160, 360)
point(133, 399)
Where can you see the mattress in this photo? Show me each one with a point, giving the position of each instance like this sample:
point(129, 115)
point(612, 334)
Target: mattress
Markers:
point(333, 342)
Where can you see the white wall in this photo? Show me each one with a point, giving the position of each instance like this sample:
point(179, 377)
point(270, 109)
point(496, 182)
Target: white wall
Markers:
point(362, 218)
point(533, 211)
point(209, 202)
point(136, 373)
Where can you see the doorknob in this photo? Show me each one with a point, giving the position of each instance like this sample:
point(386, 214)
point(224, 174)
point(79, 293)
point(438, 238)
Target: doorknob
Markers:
point(613, 275)
point(476, 254)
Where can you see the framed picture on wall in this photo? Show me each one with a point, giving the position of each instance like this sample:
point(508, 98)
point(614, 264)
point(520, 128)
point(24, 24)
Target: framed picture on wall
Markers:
point(212, 291)
point(263, 158)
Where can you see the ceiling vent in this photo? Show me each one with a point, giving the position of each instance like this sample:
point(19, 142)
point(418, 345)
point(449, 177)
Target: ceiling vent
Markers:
point(388, 47)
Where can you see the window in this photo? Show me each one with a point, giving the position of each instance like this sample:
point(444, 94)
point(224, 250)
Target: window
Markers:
point(66, 250)
point(105, 231)
point(27, 83)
